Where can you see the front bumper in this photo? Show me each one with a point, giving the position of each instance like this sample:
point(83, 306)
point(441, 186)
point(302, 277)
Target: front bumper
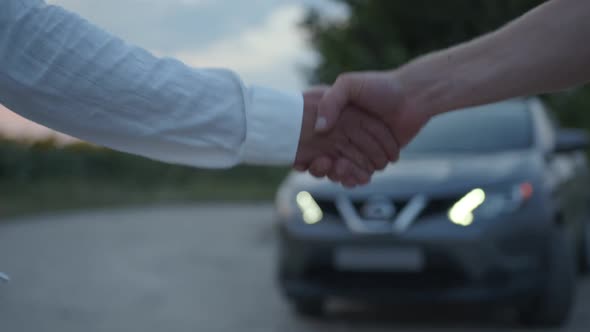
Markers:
point(486, 263)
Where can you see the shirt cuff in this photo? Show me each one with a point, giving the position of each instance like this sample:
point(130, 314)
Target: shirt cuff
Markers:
point(273, 127)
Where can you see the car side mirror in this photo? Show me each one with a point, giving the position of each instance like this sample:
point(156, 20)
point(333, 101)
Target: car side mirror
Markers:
point(570, 140)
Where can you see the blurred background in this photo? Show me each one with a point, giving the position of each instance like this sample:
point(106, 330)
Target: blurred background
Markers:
point(203, 228)
point(285, 44)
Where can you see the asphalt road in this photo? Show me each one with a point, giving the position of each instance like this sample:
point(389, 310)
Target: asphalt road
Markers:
point(204, 268)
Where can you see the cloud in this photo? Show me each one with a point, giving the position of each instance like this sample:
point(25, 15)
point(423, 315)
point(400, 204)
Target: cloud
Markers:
point(173, 25)
point(74, 3)
point(257, 38)
point(276, 44)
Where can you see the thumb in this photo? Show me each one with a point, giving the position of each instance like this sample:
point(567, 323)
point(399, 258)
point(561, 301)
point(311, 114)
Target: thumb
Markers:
point(333, 103)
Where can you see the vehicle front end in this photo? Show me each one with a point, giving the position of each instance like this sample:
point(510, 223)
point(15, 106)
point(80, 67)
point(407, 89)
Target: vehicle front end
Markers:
point(411, 244)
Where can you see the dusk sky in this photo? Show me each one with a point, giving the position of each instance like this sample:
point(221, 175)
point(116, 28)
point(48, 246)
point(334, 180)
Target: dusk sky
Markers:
point(257, 38)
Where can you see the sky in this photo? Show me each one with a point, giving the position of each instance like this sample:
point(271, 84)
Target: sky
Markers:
point(259, 39)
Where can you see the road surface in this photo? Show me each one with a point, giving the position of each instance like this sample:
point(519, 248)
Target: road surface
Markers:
point(200, 268)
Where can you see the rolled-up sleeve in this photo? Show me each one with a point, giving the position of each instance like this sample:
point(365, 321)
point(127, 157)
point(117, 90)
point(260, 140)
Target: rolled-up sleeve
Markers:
point(61, 71)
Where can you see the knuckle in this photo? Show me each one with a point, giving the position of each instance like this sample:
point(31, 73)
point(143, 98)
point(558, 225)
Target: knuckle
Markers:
point(346, 78)
point(341, 170)
point(343, 78)
point(332, 175)
point(381, 164)
point(396, 155)
point(314, 173)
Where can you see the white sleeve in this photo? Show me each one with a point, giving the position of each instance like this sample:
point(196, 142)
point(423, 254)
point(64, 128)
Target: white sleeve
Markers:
point(60, 71)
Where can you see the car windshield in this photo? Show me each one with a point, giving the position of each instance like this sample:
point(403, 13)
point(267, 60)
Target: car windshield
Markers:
point(498, 127)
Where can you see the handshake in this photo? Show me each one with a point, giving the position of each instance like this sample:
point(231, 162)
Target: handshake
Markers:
point(356, 127)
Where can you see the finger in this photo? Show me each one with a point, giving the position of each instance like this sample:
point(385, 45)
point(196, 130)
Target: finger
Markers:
point(362, 178)
point(348, 180)
point(348, 172)
point(320, 167)
point(381, 133)
point(349, 183)
point(300, 167)
point(333, 177)
point(317, 91)
point(333, 102)
point(365, 142)
point(352, 153)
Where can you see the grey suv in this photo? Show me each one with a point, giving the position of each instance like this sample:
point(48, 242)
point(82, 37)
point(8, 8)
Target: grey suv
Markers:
point(486, 205)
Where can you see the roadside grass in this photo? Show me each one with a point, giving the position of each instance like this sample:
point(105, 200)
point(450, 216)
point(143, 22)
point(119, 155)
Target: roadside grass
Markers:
point(43, 177)
point(72, 194)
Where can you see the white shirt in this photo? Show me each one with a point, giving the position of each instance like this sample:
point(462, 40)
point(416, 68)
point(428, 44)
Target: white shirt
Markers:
point(60, 71)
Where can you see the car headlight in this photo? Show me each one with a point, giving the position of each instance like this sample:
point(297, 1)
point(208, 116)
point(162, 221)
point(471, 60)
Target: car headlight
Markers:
point(489, 204)
point(312, 213)
point(303, 202)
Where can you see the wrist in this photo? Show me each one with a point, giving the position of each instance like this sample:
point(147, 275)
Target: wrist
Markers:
point(437, 83)
point(420, 92)
point(310, 111)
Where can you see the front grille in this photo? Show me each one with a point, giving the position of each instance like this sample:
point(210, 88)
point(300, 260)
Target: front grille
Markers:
point(328, 207)
point(437, 207)
point(434, 207)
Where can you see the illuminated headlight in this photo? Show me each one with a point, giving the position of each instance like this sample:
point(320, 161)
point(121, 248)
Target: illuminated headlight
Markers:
point(289, 204)
point(462, 212)
point(312, 213)
point(489, 204)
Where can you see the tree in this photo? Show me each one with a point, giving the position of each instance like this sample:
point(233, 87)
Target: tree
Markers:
point(380, 34)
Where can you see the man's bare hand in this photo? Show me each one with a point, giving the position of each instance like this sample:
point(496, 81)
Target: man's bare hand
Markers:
point(357, 146)
point(381, 95)
point(378, 94)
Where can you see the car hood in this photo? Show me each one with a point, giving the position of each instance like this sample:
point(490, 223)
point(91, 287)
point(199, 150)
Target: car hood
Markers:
point(446, 173)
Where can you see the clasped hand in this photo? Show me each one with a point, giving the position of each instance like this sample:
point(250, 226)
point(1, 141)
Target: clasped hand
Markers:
point(356, 127)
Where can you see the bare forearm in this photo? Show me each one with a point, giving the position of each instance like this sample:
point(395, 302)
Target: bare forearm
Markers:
point(545, 50)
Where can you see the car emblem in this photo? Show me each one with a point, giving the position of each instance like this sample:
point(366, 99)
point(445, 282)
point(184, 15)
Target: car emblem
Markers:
point(378, 208)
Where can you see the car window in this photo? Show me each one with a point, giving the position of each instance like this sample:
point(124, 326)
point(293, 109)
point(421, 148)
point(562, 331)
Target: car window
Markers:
point(496, 127)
